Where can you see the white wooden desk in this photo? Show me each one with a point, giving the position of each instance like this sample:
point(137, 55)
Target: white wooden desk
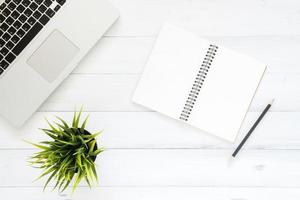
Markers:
point(148, 157)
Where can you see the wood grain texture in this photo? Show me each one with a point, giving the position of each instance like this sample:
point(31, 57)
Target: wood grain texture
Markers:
point(206, 17)
point(128, 55)
point(140, 130)
point(157, 193)
point(114, 93)
point(165, 167)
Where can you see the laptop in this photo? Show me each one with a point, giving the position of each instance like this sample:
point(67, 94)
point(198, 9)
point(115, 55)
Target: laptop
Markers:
point(41, 42)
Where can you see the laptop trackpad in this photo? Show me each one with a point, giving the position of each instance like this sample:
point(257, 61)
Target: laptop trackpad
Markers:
point(55, 53)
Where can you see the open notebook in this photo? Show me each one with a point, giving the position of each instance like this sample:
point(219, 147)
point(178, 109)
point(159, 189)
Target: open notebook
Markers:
point(200, 83)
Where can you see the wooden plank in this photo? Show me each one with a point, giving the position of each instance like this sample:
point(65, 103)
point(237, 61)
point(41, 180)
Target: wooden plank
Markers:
point(158, 193)
point(231, 17)
point(114, 93)
point(128, 55)
point(279, 130)
point(194, 168)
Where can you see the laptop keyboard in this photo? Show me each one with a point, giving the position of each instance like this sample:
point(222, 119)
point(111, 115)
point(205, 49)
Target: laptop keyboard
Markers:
point(20, 22)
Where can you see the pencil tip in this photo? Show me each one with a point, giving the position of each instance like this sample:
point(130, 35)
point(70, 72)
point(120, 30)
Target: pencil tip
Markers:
point(272, 101)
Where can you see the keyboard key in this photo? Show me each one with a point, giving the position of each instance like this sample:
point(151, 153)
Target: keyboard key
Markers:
point(23, 18)
point(26, 27)
point(1, 71)
point(50, 13)
point(17, 1)
point(9, 45)
point(15, 14)
point(37, 14)
point(6, 12)
point(2, 6)
point(48, 3)
point(4, 51)
point(33, 6)
point(31, 21)
point(4, 27)
point(20, 8)
point(10, 58)
point(7, 1)
point(26, 3)
point(11, 30)
point(28, 12)
point(9, 21)
point(61, 2)
point(42, 8)
point(2, 18)
point(20, 33)
point(44, 19)
point(12, 6)
point(1, 33)
point(15, 39)
point(17, 25)
point(3, 64)
point(2, 42)
point(38, 1)
point(57, 8)
point(27, 38)
point(6, 37)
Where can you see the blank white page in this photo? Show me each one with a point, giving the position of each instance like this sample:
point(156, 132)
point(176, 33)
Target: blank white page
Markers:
point(170, 71)
point(227, 93)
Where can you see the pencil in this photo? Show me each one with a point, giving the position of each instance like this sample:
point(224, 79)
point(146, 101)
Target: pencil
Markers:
point(252, 129)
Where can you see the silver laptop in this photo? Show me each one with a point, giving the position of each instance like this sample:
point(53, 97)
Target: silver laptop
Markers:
point(41, 42)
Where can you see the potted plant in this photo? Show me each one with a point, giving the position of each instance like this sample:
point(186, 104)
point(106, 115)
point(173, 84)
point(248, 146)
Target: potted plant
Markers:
point(69, 156)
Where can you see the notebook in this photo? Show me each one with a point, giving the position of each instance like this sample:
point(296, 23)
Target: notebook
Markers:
point(199, 82)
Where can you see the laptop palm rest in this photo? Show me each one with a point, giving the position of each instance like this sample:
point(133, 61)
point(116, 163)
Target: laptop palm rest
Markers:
point(54, 54)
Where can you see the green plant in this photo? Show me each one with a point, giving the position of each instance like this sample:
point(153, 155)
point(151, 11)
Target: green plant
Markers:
point(69, 155)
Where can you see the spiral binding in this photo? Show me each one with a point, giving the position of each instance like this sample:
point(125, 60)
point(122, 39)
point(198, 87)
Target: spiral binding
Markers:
point(198, 83)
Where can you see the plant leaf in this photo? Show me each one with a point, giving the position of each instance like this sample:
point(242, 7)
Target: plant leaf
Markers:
point(82, 140)
point(63, 121)
point(78, 118)
point(77, 180)
point(49, 179)
point(50, 125)
point(95, 153)
point(46, 172)
point(69, 181)
point(74, 120)
point(84, 124)
point(38, 146)
point(94, 172)
point(78, 160)
point(92, 146)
